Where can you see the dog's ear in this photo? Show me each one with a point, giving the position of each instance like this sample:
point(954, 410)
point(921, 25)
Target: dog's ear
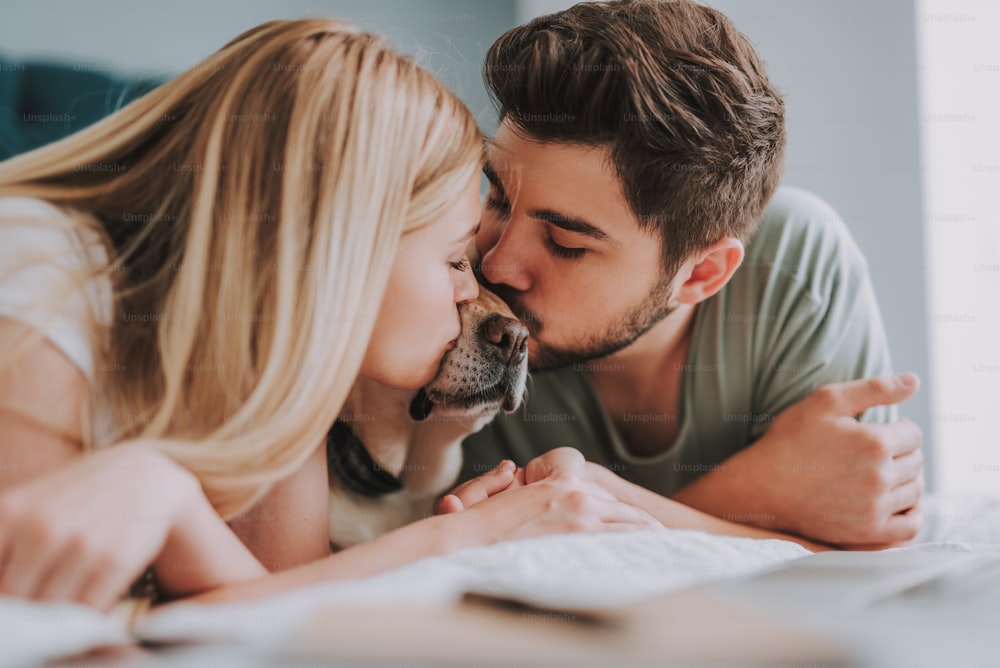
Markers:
point(421, 406)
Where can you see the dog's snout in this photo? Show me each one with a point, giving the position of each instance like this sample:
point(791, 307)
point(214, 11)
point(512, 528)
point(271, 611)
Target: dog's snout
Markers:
point(508, 335)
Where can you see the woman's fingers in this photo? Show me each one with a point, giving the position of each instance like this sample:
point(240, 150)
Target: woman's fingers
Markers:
point(623, 513)
point(593, 504)
point(65, 578)
point(575, 482)
point(86, 555)
point(27, 559)
point(565, 459)
point(449, 504)
point(104, 584)
point(479, 489)
point(82, 532)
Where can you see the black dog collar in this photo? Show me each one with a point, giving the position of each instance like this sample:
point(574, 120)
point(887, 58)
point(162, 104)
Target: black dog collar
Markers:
point(347, 457)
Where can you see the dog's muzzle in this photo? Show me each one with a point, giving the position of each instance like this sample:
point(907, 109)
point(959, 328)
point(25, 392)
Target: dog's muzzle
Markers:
point(487, 368)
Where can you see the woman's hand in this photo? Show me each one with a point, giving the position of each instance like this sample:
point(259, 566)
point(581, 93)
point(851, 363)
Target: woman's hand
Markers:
point(506, 475)
point(562, 502)
point(554, 493)
point(85, 531)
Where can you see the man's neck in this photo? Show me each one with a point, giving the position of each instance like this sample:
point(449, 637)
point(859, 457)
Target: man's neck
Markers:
point(645, 377)
point(665, 341)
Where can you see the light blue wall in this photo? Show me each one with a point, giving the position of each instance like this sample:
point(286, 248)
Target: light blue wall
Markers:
point(155, 37)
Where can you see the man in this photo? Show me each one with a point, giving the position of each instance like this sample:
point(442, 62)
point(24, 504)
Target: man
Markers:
point(690, 321)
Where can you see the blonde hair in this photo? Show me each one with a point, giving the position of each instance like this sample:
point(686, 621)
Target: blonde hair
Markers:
point(271, 185)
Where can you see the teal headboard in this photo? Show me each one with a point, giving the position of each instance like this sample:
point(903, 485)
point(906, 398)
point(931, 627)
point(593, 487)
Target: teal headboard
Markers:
point(43, 102)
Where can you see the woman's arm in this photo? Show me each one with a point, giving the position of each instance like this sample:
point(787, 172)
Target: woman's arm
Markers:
point(290, 526)
point(561, 503)
point(43, 398)
point(85, 531)
point(83, 528)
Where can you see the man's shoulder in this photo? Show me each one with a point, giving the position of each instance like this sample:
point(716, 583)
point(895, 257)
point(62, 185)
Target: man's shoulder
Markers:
point(801, 237)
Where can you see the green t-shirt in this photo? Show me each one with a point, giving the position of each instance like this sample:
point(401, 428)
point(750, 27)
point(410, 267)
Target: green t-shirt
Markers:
point(800, 312)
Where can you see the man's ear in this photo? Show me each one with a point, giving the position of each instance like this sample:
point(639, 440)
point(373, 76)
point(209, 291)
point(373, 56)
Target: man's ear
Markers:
point(709, 270)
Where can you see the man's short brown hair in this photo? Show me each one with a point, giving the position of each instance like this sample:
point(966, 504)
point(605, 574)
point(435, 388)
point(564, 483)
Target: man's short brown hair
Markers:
point(679, 97)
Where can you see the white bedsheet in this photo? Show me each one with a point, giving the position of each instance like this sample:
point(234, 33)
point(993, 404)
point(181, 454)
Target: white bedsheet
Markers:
point(559, 571)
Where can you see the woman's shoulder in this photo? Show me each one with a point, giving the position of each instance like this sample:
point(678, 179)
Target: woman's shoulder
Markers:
point(29, 225)
point(44, 259)
point(31, 207)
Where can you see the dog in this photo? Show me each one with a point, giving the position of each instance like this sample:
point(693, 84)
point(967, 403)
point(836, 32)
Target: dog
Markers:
point(394, 452)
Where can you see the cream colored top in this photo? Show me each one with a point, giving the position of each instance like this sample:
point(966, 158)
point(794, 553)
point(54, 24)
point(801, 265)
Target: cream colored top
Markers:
point(37, 266)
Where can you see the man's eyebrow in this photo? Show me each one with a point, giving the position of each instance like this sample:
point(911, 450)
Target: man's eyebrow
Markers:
point(569, 223)
point(573, 224)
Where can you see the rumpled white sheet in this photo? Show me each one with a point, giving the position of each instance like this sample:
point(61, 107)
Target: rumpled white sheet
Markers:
point(32, 633)
point(559, 571)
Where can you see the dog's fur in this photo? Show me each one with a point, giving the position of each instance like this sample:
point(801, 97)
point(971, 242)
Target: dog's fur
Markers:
point(416, 437)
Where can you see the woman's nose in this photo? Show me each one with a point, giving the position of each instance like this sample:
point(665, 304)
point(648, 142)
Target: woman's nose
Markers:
point(468, 288)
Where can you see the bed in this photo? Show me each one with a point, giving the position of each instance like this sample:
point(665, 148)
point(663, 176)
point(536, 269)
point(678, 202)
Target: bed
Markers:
point(582, 580)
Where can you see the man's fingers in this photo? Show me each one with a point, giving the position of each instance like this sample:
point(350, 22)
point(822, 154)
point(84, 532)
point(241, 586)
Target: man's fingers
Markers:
point(904, 527)
point(896, 439)
point(906, 468)
point(906, 496)
point(854, 397)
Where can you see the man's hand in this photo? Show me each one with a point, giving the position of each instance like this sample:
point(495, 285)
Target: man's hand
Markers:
point(820, 473)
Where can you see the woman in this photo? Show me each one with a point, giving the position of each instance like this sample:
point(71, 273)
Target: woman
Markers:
point(188, 290)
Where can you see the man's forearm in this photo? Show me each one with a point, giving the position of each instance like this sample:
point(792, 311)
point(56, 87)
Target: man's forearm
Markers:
point(735, 492)
point(676, 514)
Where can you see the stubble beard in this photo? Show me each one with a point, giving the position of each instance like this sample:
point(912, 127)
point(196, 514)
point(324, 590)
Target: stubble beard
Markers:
point(623, 330)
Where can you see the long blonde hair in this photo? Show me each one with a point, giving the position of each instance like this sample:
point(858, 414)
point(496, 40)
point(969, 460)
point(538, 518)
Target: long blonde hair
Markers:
point(252, 208)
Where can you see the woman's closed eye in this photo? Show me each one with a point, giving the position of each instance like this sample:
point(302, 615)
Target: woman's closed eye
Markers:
point(461, 265)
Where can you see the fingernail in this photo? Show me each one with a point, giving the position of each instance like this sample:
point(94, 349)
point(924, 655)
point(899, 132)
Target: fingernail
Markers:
point(906, 379)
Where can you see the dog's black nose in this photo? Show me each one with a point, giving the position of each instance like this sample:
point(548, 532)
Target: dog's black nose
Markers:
point(508, 335)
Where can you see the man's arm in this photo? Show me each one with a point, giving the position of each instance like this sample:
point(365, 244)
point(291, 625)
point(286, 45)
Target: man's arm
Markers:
point(806, 466)
point(820, 473)
point(676, 515)
point(666, 511)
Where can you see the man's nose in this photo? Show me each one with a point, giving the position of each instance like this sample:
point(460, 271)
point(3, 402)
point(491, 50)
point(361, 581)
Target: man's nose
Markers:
point(501, 265)
point(507, 336)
